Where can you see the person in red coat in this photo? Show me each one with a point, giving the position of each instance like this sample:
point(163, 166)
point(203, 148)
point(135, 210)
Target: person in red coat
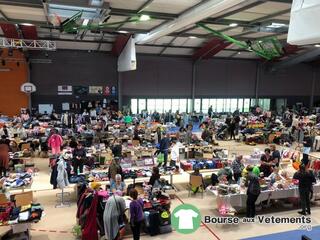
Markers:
point(4, 156)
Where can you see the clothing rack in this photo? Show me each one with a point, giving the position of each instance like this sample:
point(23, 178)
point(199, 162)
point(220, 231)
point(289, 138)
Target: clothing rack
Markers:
point(61, 199)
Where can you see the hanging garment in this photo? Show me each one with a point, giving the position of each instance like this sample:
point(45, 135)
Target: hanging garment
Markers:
point(53, 177)
point(114, 207)
point(62, 177)
point(55, 142)
point(90, 231)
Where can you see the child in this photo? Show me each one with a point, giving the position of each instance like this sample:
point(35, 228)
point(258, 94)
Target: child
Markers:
point(136, 214)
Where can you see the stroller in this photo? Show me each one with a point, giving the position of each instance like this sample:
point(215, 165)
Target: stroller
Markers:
point(222, 132)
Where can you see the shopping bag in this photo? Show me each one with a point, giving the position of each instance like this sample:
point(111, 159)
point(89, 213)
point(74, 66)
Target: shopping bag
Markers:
point(160, 158)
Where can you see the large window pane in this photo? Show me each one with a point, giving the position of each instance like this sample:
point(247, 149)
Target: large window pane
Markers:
point(227, 105)
point(197, 105)
point(134, 106)
point(253, 102)
point(175, 105)
point(220, 105)
point(189, 105)
point(159, 105)
point(183, 105)
point(213, 103)
point(205, 105)
point(151, 104)
point(233, 104)
point(166, 105)
point(240, 104)
point(246, 105)
point(142, 105)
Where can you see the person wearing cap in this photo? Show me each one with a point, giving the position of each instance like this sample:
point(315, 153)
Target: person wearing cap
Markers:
point(95, 185)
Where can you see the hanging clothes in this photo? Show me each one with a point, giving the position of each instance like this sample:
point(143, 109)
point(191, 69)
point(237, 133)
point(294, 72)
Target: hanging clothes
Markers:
point(114, 207)
point(62, 176)
point(90, 231)
point(54, 175)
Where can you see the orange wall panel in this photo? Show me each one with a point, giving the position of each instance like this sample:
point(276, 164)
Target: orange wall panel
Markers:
point(11, 98)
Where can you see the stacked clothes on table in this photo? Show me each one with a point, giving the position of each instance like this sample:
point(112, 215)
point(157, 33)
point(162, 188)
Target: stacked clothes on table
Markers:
point(201, 164)
point(146, 172)
point(17, 180)
point(98, 176)
point(14, 215)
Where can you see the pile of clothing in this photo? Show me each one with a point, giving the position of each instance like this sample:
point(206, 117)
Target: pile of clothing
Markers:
point(17, 180)
point(9, 214)
point(201, 164)
point(146, 172)
point(98, 176)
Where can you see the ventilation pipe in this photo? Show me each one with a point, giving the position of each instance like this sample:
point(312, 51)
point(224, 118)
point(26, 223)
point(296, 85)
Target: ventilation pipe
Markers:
point(194, 15)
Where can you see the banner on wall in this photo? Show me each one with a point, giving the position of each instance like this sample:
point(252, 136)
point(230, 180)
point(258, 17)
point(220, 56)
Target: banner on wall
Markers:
point(95, 89)
point(80, 90)
point(64, 90)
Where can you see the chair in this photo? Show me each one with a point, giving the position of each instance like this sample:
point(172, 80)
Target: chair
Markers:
point(196, 182)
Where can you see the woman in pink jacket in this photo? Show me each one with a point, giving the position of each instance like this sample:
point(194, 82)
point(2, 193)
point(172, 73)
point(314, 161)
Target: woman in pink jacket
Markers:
point(55, 141)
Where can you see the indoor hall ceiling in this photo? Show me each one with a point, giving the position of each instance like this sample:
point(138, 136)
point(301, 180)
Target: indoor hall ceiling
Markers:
point(250, 22)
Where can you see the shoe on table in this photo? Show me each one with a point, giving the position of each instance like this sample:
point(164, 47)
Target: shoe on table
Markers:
point(302, 213)
point(309, 212)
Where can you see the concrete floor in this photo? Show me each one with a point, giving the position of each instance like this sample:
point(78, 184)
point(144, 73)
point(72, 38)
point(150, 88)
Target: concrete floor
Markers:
point(58, 222)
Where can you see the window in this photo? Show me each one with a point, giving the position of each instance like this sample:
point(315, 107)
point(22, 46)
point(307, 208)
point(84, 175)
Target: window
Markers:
point(175, 105)
point(151, 105)
point(220, 105)
point(166, 105)
point(246, 105)
point(264, 103)
point(134, 106)
point(197, 104)
point(183, 105)
point(159, 105)
point(189, 105)
point(213, 103)
point(227, 105)
point(205, 105)
point(233, 104)
point(240, 104)
point(142, 105)
point(253, 102)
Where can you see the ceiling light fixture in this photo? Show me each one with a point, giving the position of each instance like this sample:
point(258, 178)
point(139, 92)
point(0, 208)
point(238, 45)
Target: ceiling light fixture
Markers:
point(27, 24)
point(122, 31)
point(192, 37)
point(317, 45)
point(239, 52)
point(85, 22)
point(277, 25)
point(233, 24)
point(144, 18)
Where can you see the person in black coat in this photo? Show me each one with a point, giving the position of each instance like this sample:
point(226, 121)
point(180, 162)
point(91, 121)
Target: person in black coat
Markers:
point(164, 149)
point(79, 157)
point(306, 179)
point(253, 192)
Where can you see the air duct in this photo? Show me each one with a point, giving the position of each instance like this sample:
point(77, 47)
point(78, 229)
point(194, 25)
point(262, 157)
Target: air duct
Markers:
point(194, 15)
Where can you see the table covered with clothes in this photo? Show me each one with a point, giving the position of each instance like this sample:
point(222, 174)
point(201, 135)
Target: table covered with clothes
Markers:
point(237, 201)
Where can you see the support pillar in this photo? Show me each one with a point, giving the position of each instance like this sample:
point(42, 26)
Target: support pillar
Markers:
point(193, 85)
point(119, 91)
point(314, 76)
